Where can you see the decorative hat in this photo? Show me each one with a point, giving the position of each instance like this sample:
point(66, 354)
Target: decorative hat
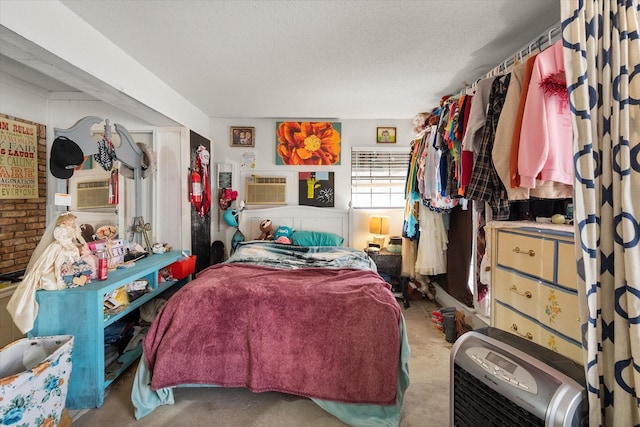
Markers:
point(230, 216)
point(65, 156)
point(107, 232)
point(147, 162)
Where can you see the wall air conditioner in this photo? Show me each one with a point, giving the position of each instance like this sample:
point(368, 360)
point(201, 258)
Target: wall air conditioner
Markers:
point(266, 190)
point(92, 194)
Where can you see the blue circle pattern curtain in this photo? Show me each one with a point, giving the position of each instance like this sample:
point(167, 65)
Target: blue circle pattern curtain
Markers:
point(602, 60)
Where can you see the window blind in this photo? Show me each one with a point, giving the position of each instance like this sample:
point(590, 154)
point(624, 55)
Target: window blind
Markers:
point(378, 178)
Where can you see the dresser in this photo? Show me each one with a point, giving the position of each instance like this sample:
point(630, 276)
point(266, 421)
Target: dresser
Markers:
point(80, 312)
point(533, 284)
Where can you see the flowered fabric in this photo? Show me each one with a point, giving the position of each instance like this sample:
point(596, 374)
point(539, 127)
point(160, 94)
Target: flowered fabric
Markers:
point(76, 273)
point(34, 396)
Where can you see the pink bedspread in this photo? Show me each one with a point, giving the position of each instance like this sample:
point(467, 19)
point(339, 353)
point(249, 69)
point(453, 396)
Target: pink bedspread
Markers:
point(325, 333)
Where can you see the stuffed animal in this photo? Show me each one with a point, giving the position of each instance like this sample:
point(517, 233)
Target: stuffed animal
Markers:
point(283, 234)
point(266, 230)
point(87, 232)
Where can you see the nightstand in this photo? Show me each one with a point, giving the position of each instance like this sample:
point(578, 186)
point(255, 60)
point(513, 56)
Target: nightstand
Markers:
point(390, 264)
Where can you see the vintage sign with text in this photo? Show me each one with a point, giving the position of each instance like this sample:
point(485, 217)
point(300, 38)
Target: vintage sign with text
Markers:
point(18, 159)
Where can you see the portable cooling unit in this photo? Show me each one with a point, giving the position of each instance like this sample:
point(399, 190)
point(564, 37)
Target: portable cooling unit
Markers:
point(500, 379)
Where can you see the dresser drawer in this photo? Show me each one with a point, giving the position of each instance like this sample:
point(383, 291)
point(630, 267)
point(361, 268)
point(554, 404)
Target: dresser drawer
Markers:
point(553, 307)
point(517, 291)
point(508, 320)
point(529, 254)
point(567, 272)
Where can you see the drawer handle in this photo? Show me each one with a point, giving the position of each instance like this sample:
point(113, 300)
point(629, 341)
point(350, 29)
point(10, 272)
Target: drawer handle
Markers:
point(528, 335)
point(530, 252)
point(524, 294)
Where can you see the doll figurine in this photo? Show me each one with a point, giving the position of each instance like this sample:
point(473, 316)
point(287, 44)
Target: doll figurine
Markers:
point(61, 245)
point(67, 247)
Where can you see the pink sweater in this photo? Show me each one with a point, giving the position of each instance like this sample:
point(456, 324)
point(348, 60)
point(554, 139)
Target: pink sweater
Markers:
point(546, 147)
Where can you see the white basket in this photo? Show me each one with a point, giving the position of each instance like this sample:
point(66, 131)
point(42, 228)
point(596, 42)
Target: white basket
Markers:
point(34, 379)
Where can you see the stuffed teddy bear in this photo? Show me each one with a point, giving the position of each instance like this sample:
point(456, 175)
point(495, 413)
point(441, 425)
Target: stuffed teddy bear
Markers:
point(283, 234)
point(266, 230)
point(87, 232)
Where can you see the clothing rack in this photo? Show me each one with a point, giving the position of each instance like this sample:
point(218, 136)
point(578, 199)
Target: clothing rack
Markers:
point(546, 39)
point(549, 37)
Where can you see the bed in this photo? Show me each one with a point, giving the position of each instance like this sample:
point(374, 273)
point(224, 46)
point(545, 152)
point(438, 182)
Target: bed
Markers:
point(313, 321)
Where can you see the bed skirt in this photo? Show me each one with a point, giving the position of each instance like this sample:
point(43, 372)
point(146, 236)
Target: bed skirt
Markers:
point(146, 400)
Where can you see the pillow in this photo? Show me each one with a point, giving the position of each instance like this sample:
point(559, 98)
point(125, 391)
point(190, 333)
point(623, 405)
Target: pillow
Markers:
point(316, 238)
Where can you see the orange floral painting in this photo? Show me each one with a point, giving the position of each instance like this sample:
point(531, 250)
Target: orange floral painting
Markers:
point(308, 143)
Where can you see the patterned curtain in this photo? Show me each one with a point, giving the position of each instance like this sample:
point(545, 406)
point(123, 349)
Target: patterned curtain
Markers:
point(602, 65)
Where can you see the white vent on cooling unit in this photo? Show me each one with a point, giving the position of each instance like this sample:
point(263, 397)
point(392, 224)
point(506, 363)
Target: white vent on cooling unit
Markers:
point(500, 379)
point(266, 190)
point(92, 194)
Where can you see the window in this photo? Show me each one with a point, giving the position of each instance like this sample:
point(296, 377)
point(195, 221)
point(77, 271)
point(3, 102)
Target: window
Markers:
point(378, 177)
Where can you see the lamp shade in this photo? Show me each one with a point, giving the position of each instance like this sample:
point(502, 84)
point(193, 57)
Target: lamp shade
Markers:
point(379, 225)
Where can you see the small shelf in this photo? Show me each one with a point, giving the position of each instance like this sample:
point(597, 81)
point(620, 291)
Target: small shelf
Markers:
point(140, 301)
point(80, 312)
point(126, 359)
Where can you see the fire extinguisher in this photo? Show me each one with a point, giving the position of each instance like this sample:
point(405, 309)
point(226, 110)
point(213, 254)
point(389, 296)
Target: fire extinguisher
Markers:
point(113, 188)
point(195, 189)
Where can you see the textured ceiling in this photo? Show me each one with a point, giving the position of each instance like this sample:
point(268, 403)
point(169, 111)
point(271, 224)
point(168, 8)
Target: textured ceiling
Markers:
point(318, 59)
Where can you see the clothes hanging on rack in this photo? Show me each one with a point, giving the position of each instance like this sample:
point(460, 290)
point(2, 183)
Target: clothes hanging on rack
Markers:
point(432, 248)
point(475, 122)
point(485, 184)
point(514, 176)
point(546, 136)
point(428, 165)
point(472, 145)
point(507, 142)
point(530, 118)
point(503, 143)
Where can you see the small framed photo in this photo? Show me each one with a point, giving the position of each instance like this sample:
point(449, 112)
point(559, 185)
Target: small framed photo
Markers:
point(386, 135)
point(242, 136)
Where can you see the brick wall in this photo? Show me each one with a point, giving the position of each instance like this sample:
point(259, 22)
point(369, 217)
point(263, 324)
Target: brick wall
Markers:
point(23, 221)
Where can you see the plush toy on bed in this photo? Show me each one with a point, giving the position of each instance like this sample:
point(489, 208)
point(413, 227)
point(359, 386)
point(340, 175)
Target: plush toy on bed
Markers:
point(266, 230)
point(283, 234)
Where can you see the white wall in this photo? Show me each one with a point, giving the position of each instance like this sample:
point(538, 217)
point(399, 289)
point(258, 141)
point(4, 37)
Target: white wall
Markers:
point(172, 211)
point(170, 206)
point(50, 38)
point(164, 205)
point(355, 133)
point(22, 100)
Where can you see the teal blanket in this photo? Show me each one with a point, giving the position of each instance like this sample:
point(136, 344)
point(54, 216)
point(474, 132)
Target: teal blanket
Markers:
point(146, 400)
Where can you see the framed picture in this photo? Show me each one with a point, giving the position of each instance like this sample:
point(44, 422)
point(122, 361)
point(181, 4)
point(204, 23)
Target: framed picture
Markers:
point(308, 143)
point(242, 136)
point(386, 135)
point(316, 189)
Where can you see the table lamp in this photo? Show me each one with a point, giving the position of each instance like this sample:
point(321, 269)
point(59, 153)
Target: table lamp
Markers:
point(379, 227)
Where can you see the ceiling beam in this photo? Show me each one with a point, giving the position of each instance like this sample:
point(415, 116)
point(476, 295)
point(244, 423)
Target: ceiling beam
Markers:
point(34, 56)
